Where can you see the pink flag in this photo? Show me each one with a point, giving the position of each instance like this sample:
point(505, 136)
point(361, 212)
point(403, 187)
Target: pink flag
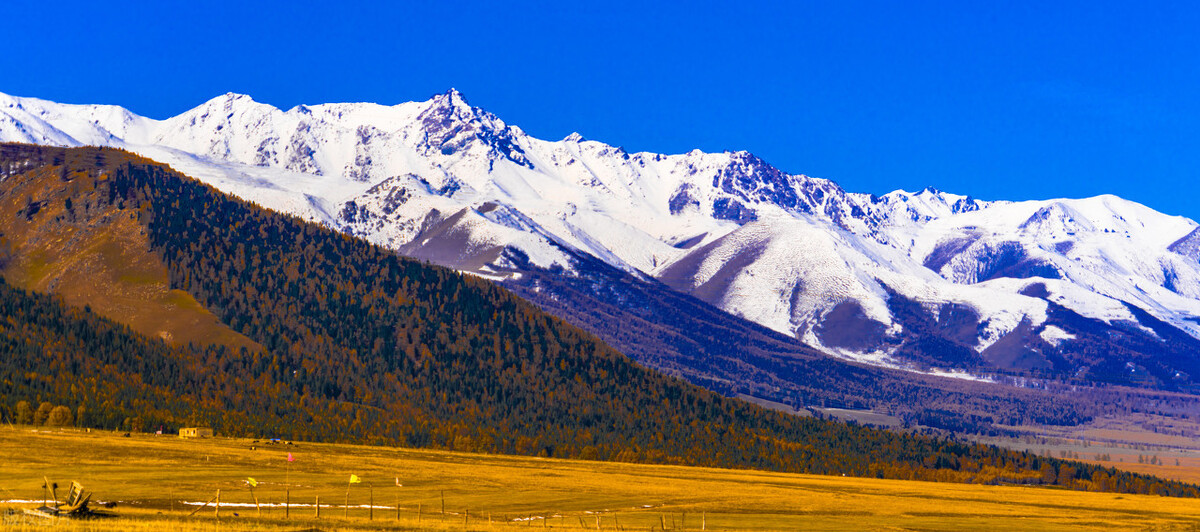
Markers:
point(290, 459)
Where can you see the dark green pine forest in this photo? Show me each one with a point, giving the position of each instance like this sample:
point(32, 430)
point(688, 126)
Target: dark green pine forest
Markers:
point(361, 345)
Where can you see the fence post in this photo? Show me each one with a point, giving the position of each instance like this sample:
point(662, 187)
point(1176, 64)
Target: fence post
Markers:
point(201, 507)
point(257, 508)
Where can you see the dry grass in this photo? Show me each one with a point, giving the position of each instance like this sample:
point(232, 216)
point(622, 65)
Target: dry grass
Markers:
point(152, 475)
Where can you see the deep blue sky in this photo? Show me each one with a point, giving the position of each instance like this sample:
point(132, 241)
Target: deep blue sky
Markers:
point(1000, 100)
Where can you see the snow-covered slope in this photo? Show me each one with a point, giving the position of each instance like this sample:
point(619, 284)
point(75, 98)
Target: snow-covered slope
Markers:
point(852, 274)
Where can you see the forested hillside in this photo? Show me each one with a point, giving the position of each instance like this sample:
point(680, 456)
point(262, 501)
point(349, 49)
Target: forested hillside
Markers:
point(349, 342)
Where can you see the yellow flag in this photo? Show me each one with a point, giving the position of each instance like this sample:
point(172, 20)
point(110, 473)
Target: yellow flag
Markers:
point(253, 483)
point(354, 479)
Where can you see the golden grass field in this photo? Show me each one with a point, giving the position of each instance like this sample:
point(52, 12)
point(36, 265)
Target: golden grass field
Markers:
point(152, 476)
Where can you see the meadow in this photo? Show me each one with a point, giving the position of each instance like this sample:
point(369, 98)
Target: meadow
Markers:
point(157, 481)
point(1166, 447)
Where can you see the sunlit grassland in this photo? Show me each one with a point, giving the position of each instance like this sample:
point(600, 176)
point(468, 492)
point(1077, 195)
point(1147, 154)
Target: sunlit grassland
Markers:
point(153, 475)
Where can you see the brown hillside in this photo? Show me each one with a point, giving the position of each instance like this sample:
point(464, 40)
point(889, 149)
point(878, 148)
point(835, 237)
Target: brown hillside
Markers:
point(95, 255)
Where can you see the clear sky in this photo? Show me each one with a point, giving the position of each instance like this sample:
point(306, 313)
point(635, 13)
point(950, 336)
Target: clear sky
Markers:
point(999, 100)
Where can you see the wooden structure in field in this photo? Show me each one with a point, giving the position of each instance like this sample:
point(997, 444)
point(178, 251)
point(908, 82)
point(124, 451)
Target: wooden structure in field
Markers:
point(196, 432)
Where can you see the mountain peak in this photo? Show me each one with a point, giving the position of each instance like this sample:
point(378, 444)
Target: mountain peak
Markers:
point(452, 98)
point(451, 106)
point(451, 125)
point(229, 102)
point(232, 97)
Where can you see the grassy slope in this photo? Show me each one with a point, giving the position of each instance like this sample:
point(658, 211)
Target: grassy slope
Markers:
point(108, 266)
point(152, 473)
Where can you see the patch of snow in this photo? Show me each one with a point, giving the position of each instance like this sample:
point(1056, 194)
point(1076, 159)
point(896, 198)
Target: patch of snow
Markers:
point(1055, 336)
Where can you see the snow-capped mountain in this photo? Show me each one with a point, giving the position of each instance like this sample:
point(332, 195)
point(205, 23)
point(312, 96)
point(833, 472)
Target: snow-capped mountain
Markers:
point(925, 279)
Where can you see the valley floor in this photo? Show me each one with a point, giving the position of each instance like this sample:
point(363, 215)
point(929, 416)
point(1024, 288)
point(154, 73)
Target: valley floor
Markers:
point(1166, 447)
point(159, 480)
